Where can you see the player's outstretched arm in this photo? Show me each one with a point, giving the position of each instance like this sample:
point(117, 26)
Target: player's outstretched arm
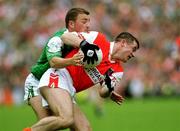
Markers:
point(108, 85)
point(104, 93)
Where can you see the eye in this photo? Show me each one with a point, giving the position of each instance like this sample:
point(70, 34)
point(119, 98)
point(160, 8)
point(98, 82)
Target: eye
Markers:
point(134, 49)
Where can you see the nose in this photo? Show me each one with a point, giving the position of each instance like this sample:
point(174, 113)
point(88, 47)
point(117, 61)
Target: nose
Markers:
point(87, 27)
point(88, 24)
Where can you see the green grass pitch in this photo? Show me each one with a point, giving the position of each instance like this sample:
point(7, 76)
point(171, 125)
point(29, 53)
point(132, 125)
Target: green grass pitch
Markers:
point(152, 114)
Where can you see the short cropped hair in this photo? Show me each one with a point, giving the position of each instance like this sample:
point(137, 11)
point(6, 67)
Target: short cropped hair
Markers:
point(127, 36)
point(73, 13)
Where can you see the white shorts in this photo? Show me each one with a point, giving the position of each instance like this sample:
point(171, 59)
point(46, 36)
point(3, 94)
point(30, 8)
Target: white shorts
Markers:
point(30, 87)
point(58, 78)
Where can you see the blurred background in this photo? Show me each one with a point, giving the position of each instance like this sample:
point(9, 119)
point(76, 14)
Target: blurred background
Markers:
point(25, 26)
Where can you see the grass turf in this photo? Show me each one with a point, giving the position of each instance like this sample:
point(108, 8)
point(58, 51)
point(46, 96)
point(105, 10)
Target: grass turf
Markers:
point(152, 114)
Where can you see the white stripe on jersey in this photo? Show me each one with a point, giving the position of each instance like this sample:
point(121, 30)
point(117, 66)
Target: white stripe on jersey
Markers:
point(118, 75)
point(90, 36)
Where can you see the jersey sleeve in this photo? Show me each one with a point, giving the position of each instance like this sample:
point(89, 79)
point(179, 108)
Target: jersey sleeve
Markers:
point(53, 47)
point(118, 75)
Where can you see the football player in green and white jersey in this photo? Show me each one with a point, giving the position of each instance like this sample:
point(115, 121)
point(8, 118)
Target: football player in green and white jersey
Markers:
point(77, 19)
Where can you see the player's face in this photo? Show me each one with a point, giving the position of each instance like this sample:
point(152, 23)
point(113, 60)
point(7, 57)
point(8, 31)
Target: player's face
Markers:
point(126, 51)
point(82, 23)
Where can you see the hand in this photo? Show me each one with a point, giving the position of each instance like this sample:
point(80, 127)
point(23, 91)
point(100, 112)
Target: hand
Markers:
point(116, 97)
point(89, 52)
point(77, 59)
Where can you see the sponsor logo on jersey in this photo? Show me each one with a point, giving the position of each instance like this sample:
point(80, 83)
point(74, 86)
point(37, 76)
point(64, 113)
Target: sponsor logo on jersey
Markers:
point(94, 75)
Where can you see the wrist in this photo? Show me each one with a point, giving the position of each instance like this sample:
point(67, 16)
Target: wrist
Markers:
point(70, 61)
point(83, 42)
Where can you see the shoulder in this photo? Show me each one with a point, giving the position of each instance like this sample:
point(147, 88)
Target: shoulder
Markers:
point(92, 34)
point(54, 44)
point(55, 38)
point(60, 32)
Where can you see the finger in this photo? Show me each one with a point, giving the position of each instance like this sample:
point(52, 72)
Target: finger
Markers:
point(95, 57)
point(85, 59)
point(80, 54)
point(88, 61)
point(119, 103)
point(78, 62)
point(92, 61)
point(117, 95)
point(79, 57)
point(120, 99)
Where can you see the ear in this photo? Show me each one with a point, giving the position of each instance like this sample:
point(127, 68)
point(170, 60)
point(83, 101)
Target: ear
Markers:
point(123, 43)
point(71, 24)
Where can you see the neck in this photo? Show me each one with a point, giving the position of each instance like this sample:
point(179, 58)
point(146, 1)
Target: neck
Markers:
point(111, 52)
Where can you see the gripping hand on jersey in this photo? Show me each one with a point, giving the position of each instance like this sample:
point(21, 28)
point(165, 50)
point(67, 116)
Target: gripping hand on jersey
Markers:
point(89, 51)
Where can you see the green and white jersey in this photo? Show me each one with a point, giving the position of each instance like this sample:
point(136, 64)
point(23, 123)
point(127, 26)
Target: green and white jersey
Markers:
point(54, 47)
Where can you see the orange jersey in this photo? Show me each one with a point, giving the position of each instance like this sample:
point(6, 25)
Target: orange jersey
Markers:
point(81, 80)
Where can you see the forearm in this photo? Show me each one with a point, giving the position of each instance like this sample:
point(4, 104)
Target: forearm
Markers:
point(114, 96)
point(57, 62)
point(71, 39)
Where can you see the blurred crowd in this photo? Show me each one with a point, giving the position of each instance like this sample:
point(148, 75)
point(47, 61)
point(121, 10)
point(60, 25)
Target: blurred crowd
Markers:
point(26, 25)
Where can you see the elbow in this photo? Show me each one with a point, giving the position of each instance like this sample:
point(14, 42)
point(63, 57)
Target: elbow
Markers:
point(64, 38)
point(104, 92)
point(104, 95)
